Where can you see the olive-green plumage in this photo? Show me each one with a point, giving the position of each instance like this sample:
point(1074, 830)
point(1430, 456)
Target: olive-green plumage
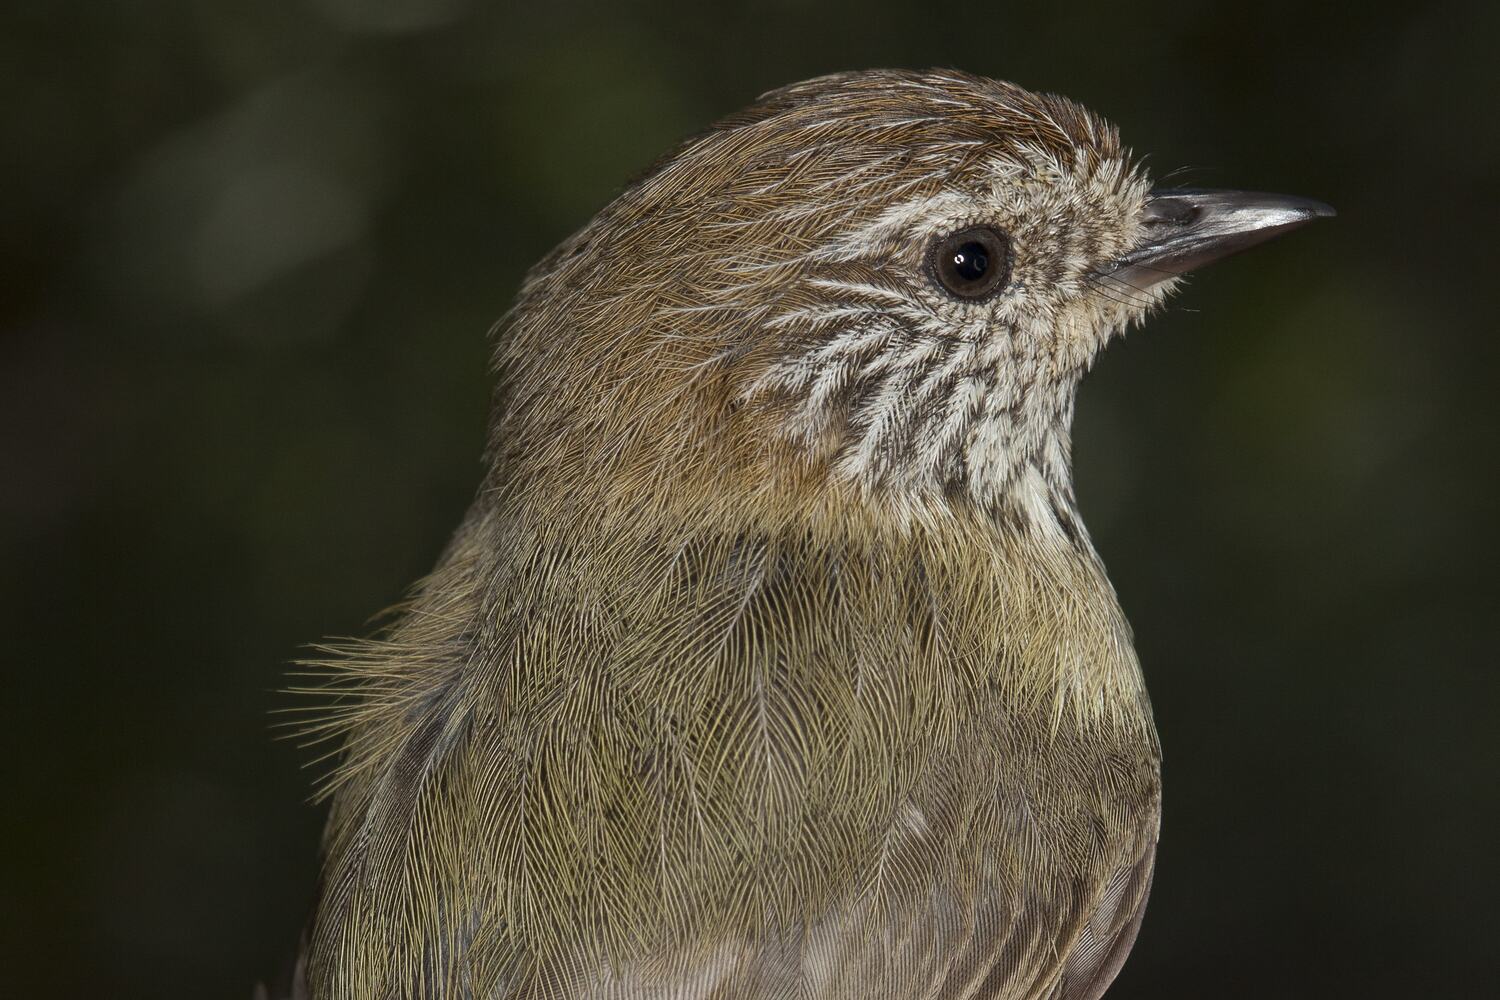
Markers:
point(772, 659)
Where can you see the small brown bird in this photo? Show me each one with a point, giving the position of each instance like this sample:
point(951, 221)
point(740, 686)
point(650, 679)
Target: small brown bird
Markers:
point(773, 659)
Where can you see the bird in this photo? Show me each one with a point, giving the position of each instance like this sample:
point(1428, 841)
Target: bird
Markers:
point(773, 659)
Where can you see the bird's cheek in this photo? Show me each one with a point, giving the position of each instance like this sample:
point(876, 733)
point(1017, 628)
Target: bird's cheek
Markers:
point(1080, 331)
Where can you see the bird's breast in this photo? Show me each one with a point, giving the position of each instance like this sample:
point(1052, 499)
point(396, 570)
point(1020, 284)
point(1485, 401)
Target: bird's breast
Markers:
point(747, 764)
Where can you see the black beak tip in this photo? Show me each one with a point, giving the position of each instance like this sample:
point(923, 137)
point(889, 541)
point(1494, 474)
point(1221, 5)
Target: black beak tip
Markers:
point(1294, 213)
point(1317, 209)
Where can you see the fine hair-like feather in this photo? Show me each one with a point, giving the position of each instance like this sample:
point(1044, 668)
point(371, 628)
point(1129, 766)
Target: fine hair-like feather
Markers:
point(773, 658)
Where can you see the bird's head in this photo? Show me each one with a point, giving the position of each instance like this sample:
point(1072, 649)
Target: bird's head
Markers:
point(871, 291)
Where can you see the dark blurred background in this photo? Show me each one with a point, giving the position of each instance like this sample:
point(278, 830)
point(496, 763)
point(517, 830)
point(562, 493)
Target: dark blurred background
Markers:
point(249, 252)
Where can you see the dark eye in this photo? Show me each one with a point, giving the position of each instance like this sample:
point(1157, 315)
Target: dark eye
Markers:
point(972, 263)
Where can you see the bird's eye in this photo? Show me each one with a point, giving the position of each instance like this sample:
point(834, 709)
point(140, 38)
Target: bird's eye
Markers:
point(972, 263)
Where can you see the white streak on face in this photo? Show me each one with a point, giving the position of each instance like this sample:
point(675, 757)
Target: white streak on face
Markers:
point(889, 296)
point(915, 387)
point(819, 317)
point(835, 377)
point(896, 222)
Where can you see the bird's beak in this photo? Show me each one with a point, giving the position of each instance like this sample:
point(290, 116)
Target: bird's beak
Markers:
point(1187, 228)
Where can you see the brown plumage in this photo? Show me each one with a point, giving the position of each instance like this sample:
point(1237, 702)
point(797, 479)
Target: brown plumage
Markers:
point(772, 659)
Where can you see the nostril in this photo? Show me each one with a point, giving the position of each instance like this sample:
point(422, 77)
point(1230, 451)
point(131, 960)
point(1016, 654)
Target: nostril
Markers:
point(1170, 212)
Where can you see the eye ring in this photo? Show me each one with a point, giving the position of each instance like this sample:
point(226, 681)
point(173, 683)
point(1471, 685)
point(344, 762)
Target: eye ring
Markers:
point(972, 263)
